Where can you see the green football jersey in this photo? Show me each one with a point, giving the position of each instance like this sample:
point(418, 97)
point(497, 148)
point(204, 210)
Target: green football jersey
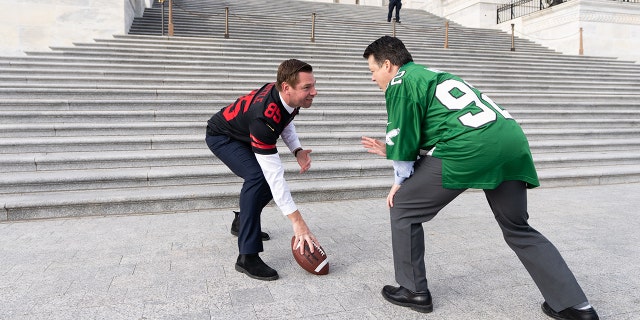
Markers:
point(480, 144)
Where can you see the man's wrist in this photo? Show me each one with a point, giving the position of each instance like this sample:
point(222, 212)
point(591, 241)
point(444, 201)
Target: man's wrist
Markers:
point(295, 152)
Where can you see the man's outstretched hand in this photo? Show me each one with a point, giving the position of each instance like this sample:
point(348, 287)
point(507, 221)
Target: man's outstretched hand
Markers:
point(374, 146)
point(304, 160)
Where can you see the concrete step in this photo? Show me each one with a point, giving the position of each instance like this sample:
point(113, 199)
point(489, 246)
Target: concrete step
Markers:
point(55, 161)
point(307, 116)
point(61, 74)
point(159, 142)
point(571, 160)
point(173, 198)
point(326, 83)
point(209, 56)
point(563, 141)
point(197, 197)
point(352, 66)
point(354, 69)
point(327, 104)
point(322, 106)
point(213, 174)
point(43, 162)
point(520, 96)
point(355, 44)
point(112, 125)
point(162, 91)
point(130, 127)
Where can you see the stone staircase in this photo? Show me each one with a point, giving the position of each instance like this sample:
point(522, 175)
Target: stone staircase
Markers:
point(116, 126)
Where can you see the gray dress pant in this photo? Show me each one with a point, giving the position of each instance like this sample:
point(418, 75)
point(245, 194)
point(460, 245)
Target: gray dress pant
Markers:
point(422, 196)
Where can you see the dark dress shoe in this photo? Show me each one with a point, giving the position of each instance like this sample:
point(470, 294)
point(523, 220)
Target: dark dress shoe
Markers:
point(418, 301)
point(235, 228)
point(570, 313)
point(254, 267)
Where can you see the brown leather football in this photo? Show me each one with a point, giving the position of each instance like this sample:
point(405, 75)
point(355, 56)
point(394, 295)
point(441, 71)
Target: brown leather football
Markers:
point(316, 262)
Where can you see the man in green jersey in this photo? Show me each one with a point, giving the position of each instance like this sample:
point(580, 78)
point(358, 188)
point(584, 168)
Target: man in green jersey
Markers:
point(445, 136)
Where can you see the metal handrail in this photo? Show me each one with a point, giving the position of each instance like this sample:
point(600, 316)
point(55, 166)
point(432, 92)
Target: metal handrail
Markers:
point(519, 8)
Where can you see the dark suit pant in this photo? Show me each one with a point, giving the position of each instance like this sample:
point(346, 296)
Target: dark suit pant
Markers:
point(397, 5)
point(422, 196)
point(255, 193)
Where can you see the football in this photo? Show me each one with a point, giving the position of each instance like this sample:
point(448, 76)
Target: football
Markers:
point(316, 262)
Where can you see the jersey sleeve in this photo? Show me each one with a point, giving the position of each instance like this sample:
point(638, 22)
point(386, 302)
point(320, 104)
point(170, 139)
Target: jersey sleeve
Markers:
point(404, 122)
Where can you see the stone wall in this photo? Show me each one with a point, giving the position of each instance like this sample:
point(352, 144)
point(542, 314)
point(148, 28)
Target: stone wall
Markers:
point(35, 25)
point(609, 28)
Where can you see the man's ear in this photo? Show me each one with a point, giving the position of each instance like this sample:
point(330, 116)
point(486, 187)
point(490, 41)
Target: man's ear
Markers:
point(285, 87)
point(387, 65)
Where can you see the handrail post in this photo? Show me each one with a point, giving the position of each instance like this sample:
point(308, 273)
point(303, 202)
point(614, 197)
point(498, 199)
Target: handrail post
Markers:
point(313, 27)
point(394, 27)
point(162, 14)
point(226, 22)
point(513, 42)
point(170, 18)
point(581, 51)
point(446, 34)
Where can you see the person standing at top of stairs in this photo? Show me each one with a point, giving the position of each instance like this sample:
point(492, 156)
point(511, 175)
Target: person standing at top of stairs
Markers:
point(397, 4)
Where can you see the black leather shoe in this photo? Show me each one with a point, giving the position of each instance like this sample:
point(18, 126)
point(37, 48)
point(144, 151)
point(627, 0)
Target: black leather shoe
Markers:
point(254, 267)
point(235, 228)
point(418, 301)
point(570, 313)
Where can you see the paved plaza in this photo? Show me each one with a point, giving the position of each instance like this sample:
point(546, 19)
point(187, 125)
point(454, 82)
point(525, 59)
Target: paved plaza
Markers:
point(181, 265)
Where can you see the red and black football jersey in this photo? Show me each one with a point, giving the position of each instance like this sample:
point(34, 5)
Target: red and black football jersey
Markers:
point(257, 119)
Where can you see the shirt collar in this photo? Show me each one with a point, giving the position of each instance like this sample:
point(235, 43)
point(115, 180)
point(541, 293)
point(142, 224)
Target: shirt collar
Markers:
point(286, 106)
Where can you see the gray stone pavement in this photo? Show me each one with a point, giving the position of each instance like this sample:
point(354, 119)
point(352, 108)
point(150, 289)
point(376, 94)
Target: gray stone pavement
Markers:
point(180, 265)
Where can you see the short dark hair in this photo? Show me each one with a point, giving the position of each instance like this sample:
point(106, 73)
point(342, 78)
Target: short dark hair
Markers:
point(388, 48)
point(288, 72)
